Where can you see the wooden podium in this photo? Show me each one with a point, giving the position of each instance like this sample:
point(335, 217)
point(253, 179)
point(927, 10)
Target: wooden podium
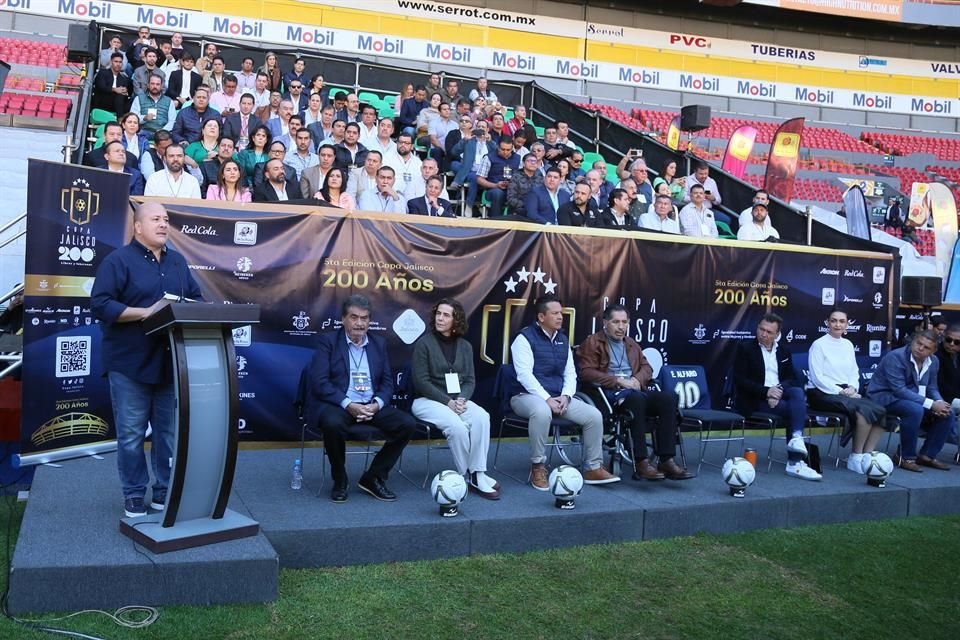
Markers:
point(205, 429)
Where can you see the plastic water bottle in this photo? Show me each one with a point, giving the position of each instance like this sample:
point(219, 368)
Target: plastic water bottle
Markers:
point(296, 479)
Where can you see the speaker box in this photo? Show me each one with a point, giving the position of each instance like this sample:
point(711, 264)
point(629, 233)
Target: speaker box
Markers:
point(82, 42)
point(694, 117)
point(921, 291)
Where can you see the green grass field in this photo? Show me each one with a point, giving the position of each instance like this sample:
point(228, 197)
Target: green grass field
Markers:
point(891, 579)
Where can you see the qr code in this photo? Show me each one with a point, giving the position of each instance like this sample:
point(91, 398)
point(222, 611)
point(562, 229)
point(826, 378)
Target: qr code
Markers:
point(73, 356)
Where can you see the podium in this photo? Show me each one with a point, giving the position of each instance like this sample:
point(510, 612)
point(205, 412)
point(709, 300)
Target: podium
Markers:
point(205, 429)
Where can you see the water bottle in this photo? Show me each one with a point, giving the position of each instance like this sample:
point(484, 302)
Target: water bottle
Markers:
point(296, 479)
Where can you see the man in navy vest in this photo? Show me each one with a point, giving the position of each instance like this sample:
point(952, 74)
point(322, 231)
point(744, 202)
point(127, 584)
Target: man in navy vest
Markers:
point(495, 173)
point(546, 382)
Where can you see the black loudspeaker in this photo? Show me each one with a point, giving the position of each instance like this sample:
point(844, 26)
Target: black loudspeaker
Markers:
point(82, 45)
point(921, 291)
point(694, 117)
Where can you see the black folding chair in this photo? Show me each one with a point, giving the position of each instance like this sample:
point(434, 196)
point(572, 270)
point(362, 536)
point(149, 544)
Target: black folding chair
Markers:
point(403, 397)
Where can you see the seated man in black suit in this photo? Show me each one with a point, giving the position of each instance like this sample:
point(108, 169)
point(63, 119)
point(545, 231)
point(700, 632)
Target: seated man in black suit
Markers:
point(276, 150)
point(112, 132)
point(351, 382)
point(276, 187)
point(183, 82)
point(766, 382)
point(431, 204)
point(112, 88)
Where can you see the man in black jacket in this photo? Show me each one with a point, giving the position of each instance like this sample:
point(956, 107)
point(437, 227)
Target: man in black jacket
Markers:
point(948, 378)
point(112, 88)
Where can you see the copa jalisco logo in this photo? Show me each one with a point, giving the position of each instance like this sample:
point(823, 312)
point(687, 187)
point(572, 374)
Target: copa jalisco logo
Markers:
point(524, 275)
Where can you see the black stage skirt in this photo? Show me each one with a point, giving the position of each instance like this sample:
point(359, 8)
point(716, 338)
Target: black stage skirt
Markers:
point(836, 403)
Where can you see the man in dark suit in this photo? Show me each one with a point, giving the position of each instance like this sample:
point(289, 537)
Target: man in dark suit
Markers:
point(431, 204)
point(544, 200)
point(581, 210)
point(237, 126)
point(112, 88)
point(175, 89)
point(948, 357)
point(906, 384)
point(276, 187)
point(617, 215)
point(766, 382)
point(112, 132)
point(351, 383)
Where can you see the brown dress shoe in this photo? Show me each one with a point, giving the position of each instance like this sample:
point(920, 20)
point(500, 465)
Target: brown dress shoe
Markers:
point(673, 471)
point(910, 465)
point(933, 463)
point(643, 470)
point(539, 478)
point(599, 476)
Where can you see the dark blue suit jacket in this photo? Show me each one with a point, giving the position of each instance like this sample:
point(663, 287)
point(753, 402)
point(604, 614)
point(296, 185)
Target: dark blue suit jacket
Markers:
point(418, 206)
point(540, 207)
point(896, 379)
point(748, 374)
point(330, 372)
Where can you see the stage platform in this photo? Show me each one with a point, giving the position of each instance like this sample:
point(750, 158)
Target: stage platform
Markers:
point(70, 554)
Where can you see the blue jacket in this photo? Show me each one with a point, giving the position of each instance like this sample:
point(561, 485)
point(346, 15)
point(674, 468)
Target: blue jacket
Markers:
point(409, 110)
point(896, 379)
point(330, 372)
point(466, 151)
point(189, 124)
point(539, 206)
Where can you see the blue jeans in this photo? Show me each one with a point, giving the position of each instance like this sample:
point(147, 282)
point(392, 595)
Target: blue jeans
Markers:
point(465, 177)
point(911, 416)
point(497, 197)
point(793, 408)
point(134, 405)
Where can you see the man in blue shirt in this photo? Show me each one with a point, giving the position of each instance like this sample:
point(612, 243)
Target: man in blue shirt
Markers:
point(130, 286)
point(351, 383)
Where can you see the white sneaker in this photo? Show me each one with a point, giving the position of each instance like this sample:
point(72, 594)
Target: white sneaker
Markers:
point(855, 462)
point(796, 445)
point(802, 471)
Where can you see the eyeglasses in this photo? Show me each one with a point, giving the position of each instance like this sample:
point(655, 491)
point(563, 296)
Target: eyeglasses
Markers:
point(955, 341)
point(576, 161)
point(296, 86)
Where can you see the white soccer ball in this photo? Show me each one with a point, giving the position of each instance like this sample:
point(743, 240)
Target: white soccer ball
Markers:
point(448, 488)
point(566, 482)
point(878, 465)
point(739, 473)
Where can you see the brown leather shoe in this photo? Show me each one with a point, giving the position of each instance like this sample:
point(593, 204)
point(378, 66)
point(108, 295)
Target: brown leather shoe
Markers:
point(673, 471)
point(910, 465)
point(599, 476)
point(643, 470)
point(933, 463)
point(538, 477)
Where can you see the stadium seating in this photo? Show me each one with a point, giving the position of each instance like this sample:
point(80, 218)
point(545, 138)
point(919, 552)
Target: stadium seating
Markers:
point(32, 52)
point(901, 145)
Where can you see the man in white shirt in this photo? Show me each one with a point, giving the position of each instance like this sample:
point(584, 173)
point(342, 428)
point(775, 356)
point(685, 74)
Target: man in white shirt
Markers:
point(384, 143)
point(227, 101)
point(368, 125)
point(563, 134)
point(383, 199)
point(407, 166)
point(172, 181)
point(363, 179)
point(758, 230)
point(301, 156)
point(418, 187)
point(261, 95)
point(659, 219)
point(438, 131)
point(746, 216)
point(696, 219)
point(247, 78)
point(701, 176)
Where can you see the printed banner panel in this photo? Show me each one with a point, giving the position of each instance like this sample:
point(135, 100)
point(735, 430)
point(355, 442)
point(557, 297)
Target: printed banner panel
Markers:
point(689, 302)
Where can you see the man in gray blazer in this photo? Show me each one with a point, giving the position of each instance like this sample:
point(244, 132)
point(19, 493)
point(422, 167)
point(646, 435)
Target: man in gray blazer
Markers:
point(906, 384)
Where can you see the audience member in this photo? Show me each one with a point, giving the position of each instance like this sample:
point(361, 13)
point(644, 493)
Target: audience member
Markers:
point(418, 188)
point(143, 72)
point(142, 42)
point(276, 151)
point(669, 177)
point(581, 210)
point(230, 183)
point(297, 96)
point(206, 147)
point(301, 156)
point(215, 75)
point(112, 88)
point(295, 75)
point(189, 124)
point(184, 82)
point(153, 158)
point(171, 180)
point(364, 178)
point(696, 219)
point(617, 214)
point(227, 99)
point(257, 152)
point(660, 219)
point(350, 153)
point(314, 178)
point(133, 139)
point(701, 176)
point(543, 202)
point(276, 187)
point(237, 126)
point(350, 112)
point(271, 69)
point(431, 204)
point(406, 165)
point(334, 190)
point(483, 89)
point(451, 93)
point(384, 198)
point(521, 184)
point(495, 173)
point(113, 153)
point(112, 132)
point(154, 110)
point(410, 110)
point(246, 77)
point(369, 129)
point(210, 167)
point(948, 356)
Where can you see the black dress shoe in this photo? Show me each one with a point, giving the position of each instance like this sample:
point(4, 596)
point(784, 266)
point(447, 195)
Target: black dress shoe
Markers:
point(339, 493)
point(376, 488)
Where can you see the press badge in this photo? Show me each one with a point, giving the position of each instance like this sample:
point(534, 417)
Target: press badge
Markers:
point(361, 381)
point(407, 177)
point(453, 383)
point(922, 390)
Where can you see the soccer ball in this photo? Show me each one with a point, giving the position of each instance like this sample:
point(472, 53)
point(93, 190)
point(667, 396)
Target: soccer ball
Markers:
point(738, 473)
point(566, 482)
point(878, 466)
point(448, 488)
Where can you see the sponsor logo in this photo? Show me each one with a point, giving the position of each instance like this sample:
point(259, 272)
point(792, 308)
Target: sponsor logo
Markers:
point(245, 233)
point(44, 284)
point(202, 267)
point(829, 272)
point(700, 335)
point(639, 76)
point(243, 336)
point(249, 395)
point(241, 363)
point(791, 336)
point(244, 268)
point(876, 328)
point(865, 62)
point(198, 230)
point(878, 300)
point(699, 83)
point(879, 275)
point(310, 36)
point(920, 105)
point(35, 321)
point(380, 44)
point(15, 4)
point(783, 53)
point(241, 424)
point(681, 40)
point(852, 273)
point(803, 94)
point(828, 296)
point(170, 19)
point(598, 30)
point(84, 9)
point(409, 326)
point(80, 202)
point(448, 53)
point(756, 89)
point(511, 61)
point(847, 298)
point(872, 101)
point(940, 67)
point(251, 29)
point(301, 324)
point(876, 348)
point(578, 69)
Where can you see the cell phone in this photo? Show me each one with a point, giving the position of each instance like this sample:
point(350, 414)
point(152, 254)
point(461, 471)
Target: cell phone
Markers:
point(707, 191)
point(844, 386)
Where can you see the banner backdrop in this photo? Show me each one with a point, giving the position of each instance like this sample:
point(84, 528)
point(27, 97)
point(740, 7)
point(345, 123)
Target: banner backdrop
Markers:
point(75, 217)
point(858, 215)
point(689, 301)
point(943, 210)
point(782, 162)
point(737, 155)
point(673, 134)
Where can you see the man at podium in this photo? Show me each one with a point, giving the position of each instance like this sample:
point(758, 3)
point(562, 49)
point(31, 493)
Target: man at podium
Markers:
point(131, 284)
